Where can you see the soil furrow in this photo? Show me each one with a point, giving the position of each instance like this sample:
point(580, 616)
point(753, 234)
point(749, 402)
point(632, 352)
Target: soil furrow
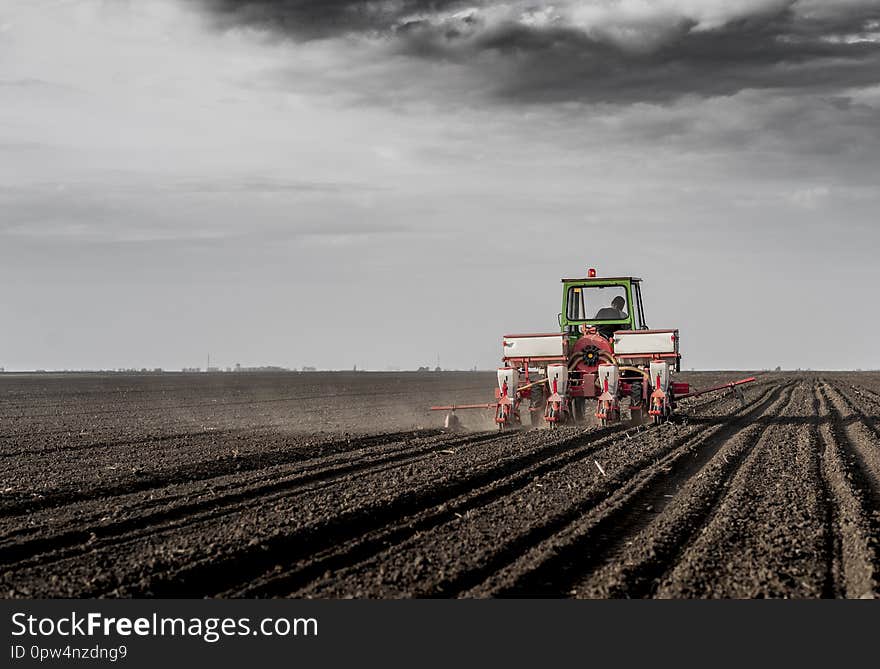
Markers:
point(254, 485)
point(557, 563)
point(549, 499)
point(848, 531)
point(858, 438)
point(213, 576)
point(768, 535)
point(859, 462)
point(362, 508)
point(239, 465)
point(649, 548)
point(366, 546)
point(241, 496)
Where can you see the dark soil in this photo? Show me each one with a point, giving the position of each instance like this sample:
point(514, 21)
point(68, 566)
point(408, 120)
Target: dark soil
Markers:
point(343, 485)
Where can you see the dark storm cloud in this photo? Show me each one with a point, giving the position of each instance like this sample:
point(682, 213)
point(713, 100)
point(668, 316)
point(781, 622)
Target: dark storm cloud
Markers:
point(323, 18)
point(655, 56)
point(562, 64)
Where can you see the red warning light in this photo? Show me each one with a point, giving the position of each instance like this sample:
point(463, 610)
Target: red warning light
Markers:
point(591, 273)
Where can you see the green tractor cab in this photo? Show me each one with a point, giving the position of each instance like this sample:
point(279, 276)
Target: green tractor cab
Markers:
point(608, 304)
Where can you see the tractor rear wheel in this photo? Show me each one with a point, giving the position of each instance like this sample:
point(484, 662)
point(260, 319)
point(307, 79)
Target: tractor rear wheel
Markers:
point(636, 415)
point(636, 394)
point(579, 410)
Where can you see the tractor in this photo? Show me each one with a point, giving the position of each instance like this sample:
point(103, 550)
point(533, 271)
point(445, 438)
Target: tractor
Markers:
point(604, 358)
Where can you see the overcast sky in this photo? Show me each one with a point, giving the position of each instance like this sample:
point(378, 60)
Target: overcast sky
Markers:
point(339, 183)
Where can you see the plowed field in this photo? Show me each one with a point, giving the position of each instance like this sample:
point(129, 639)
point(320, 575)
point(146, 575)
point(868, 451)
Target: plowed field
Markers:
point(342, 485)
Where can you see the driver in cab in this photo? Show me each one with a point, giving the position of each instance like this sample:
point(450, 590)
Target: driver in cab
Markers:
point(613, 313)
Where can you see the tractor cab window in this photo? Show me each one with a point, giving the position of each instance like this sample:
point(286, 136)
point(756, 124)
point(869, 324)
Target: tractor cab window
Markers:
point(597, 303)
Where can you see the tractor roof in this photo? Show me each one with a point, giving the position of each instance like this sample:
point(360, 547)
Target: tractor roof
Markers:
point(604, 278)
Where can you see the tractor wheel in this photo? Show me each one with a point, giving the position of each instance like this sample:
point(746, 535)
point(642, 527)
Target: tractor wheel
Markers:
point(579, 410)
point(637, 415)
point(636, 394)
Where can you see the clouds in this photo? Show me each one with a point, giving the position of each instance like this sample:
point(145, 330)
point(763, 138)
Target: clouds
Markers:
point(604, 50)
point(122, 210)
point(311, 19)
point(279, 155)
